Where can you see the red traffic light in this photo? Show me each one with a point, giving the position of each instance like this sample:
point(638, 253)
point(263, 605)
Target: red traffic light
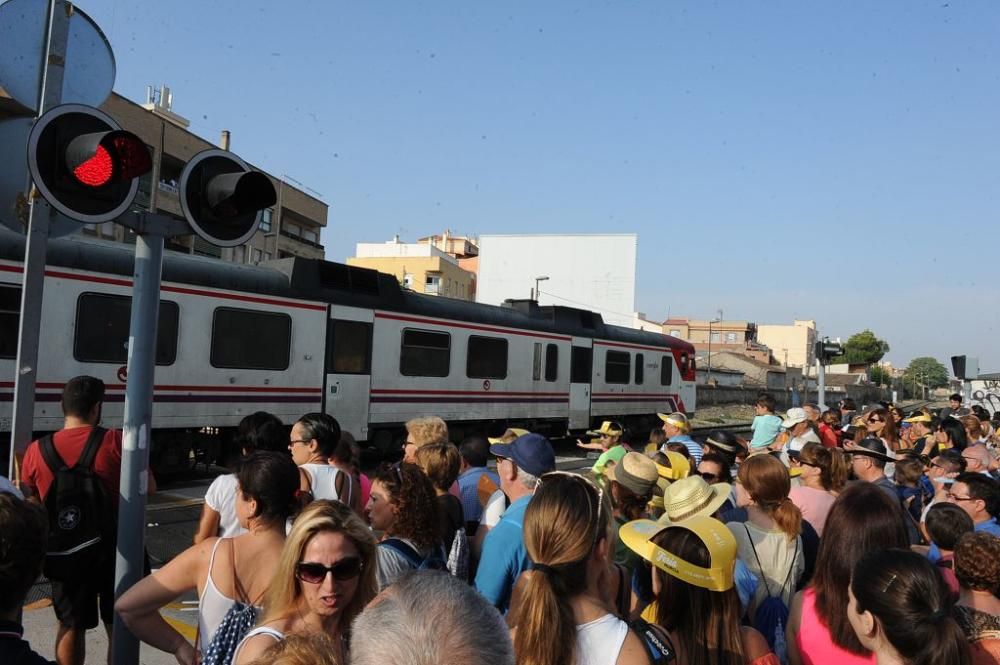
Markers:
point(84, 164)
point(104, 157)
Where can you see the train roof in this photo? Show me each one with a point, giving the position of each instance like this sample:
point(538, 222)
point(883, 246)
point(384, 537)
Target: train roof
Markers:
point(336, 283)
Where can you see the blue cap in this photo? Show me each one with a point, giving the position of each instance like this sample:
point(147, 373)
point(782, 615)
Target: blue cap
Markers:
point(531, 452)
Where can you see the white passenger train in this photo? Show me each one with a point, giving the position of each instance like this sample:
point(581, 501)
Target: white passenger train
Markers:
point(300, 335)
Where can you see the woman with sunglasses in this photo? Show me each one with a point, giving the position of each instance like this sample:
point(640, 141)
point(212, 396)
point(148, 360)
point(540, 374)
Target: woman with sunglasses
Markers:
point(324, 579)
point(228, 573)
point(949, 434)
point(560, 610)
point(693, 563)
point(881, 424)
point(823, 475)
point(403, 507)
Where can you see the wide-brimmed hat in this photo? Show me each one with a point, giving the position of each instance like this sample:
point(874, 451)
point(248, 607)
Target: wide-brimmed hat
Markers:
point(869, 447)
point(635, 472)
point(509, 434)
point(680, 467)
point(726, 442)
point(677, 419)
point(918, 417)
point(794, 417)
point(692, 497)
point(718, 540)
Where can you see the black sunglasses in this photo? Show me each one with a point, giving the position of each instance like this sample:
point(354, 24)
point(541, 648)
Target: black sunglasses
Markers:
point(315, 573)
point(708, 477)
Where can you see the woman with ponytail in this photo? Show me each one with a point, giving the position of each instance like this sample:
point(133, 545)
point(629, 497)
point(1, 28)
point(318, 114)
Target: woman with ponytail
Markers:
point(769, 542)
point(815, 495)
point(559, 614)
point(900, 609)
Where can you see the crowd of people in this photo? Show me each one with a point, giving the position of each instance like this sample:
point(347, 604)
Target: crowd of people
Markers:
point(852, 535)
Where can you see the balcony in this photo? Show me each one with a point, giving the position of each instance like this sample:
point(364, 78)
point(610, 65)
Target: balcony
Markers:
point(286, 234)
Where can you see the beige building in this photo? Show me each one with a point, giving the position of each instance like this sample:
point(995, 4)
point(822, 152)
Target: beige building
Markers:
point(464, 249)
point(420, 267)
point(792, 346)
point(291, 228)
point(717, 336)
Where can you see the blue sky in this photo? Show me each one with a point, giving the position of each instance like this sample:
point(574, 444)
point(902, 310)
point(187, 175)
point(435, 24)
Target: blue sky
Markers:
point(779, 160)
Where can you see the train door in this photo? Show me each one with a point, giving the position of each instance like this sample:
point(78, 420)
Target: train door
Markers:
point(349, 368)
point(580, 373)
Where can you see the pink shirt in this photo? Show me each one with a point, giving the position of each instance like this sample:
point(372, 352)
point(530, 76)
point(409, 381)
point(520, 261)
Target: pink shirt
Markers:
point(814, 504)
point(816, 647)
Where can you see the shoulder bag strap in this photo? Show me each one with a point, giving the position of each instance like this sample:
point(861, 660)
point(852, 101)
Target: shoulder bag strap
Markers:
point(404, 550)
point(791, 568)
point(763, 577)
point(338, 484)
point(47, 447)
point(90, 449)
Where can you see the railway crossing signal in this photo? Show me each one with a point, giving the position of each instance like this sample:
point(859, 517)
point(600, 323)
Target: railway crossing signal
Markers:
point(84, 164)
point(827, 350)
point(222, 198)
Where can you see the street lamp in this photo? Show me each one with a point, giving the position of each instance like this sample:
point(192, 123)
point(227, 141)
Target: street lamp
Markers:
point(537, 293)
point(708, 374)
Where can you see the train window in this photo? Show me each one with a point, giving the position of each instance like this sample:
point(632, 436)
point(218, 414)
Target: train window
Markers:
point(349, 347)
point(486, 358)
point(10, 317)
point(617, 367)
point(639, 369)
point(551, 362)
point(247, 339)
point(536, 363)
point(102, 327)
point(425, 353)
point(580, 364)
point(666, 370)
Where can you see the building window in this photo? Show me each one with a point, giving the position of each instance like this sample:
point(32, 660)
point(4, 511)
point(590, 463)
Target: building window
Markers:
point(265, 220)
point(102, 329)
point(551, 362)
point(536, 364)
point(348, 347)
point(486, 358)
point(716, 337)
point(639, 369)
point(425, 353)
point(666, 370)
point(248, 339)
point(408, 281)
point(730, 338)
point(617, 367)
point(10, 318)
point(432, 284)
point(675, 333)
point(310, 235)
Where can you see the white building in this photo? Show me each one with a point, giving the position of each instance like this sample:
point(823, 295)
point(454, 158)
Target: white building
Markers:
point(595, 272)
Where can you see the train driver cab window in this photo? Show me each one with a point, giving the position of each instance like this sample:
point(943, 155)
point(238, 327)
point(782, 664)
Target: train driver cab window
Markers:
point(551, 362)
point(486, 358)
point(248, 339)
point(425, 353)
point(666, 370)
point(10, 317)
point(102, 326)
point(349, 347)
point(639, 369)
point(617, 367)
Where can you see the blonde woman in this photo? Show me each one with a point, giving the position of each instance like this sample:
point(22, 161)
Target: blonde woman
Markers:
point(324, 579)
point(560, 613)
point(421, 432)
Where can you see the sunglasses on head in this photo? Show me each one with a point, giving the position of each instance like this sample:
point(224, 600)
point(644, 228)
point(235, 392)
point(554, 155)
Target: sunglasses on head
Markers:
point(315, 573)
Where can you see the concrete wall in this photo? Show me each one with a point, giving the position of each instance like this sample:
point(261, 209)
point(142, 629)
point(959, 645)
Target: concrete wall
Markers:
point(727, 395)
point(986, 394)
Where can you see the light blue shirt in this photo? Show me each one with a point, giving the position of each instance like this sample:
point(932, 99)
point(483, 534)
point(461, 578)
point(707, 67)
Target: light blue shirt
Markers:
point(765, 430)
point(468, 483)
point(694, 449)
point(504, 556)
point(989, 526)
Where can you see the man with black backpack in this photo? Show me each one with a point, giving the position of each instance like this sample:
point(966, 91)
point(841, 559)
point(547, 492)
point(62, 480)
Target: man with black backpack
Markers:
point(74, 473)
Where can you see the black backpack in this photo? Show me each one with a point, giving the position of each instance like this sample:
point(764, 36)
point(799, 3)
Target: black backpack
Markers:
point(80, 522)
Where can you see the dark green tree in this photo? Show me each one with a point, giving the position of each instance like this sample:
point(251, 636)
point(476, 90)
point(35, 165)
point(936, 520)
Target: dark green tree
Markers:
point(925, 371)
point(863, 347)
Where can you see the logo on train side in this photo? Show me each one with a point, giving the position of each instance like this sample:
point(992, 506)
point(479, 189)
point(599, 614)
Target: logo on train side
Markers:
point(487, 384)
point(123, 373)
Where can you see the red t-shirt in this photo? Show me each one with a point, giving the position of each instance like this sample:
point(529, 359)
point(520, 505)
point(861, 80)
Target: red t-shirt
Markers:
point(69, 443)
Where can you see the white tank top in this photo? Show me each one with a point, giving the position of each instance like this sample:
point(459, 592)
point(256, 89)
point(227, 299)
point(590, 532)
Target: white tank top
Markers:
point(600, 641)
point(212, 606)
point(323, 479)
point(277, 635)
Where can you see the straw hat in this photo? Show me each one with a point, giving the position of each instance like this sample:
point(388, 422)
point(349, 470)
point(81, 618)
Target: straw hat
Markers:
point(692, 497)
point(635, 472)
